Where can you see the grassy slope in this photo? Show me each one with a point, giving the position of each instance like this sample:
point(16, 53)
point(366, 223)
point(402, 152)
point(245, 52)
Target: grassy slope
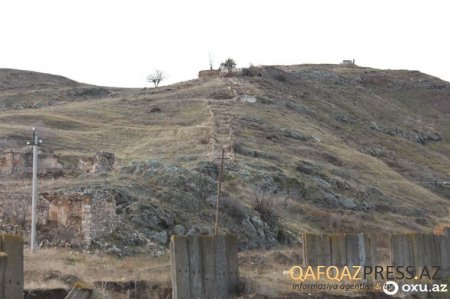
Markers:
point(306, 100)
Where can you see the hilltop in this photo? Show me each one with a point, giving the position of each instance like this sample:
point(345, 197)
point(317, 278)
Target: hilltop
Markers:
point(316, 148)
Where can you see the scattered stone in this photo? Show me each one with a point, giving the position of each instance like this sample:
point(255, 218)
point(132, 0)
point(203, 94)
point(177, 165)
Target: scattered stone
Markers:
point(414, 135)
point(247, 98)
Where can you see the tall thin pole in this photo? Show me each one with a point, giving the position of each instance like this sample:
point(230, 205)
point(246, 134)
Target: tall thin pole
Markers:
point(35, 143)
point(219, 191)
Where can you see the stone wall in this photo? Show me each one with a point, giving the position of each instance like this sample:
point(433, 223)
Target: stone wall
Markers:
point(19, 163)
point(101, 162)
point(86, 216)
point(99, 217)
point(15, 209)
point(207, 74)
point(75, 217)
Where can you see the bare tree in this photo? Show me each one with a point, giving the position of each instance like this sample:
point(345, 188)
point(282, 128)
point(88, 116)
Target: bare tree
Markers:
point(156, 77)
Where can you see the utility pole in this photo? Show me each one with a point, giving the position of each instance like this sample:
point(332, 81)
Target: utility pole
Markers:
point(35, 143)
point(219, 191)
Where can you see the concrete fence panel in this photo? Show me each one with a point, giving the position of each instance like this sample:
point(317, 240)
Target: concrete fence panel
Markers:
point(444, 246)
point(353, 252)
point(13, 247)
point(421, 250)
point(232, 261)
point(317, 249)
point(3, 263)
point(339, 250)
point(180, 268)
point(204, 267)
point(209, 267)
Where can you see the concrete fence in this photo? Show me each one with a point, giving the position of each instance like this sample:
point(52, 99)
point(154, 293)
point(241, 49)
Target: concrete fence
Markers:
point(11, 266)
point(3, 263)
point(204, 267)
point(339, 250)
point(420, 250)
point(413, 249)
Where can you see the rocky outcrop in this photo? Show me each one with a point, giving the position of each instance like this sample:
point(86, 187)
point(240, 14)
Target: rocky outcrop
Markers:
point(413, 135)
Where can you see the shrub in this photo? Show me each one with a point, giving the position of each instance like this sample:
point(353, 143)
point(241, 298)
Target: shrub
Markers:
point(235, 208)
point(251, 72)
point(266, 212)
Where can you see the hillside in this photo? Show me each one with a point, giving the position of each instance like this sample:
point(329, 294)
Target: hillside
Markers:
point(317, 148)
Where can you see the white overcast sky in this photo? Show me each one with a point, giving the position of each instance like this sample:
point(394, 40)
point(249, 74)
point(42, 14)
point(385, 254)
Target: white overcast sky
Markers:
point(118, 43)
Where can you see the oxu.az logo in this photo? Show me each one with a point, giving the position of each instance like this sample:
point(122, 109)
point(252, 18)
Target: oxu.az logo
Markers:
point(390, 287)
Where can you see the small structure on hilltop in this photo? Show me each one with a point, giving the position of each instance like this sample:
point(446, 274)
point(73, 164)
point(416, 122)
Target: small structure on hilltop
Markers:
point(220, 73)
point(227, 69)
point(208, 74)
point(348, 62)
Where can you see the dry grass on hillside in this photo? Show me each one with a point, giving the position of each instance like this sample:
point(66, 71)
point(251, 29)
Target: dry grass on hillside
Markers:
point(51, 267)
point(262, 271)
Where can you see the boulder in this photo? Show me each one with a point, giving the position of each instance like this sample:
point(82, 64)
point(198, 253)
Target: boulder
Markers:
point(178, 230)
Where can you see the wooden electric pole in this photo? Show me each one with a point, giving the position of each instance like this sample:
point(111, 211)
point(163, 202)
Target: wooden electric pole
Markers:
point(219, 191)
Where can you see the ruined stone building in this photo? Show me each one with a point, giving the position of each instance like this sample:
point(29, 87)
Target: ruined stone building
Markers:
point(76, 217)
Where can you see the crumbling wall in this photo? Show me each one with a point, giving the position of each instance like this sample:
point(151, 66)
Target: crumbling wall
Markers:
point(208, 74)
point(80, 217)
point(99, 217)
point(101, 162)
point(11, 162)
point(15, 209)
point(19, 163)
